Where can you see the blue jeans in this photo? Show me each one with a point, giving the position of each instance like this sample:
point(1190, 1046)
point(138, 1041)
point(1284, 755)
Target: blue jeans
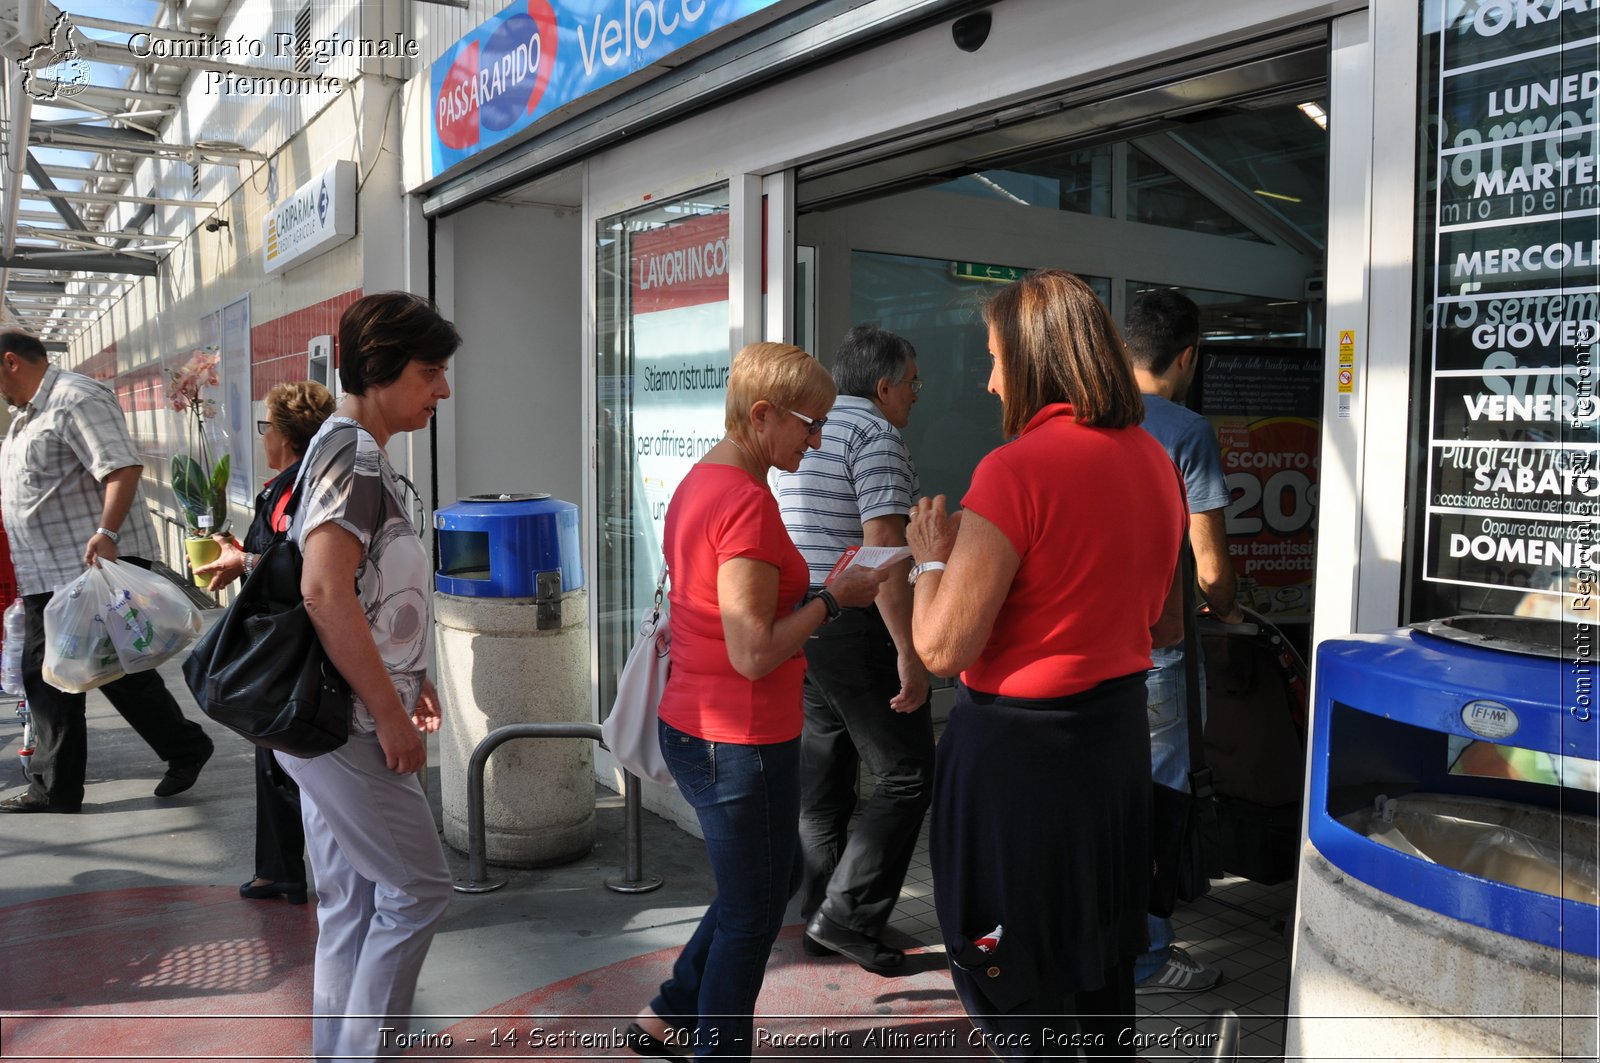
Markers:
point(1167, 691)
point(747, 799)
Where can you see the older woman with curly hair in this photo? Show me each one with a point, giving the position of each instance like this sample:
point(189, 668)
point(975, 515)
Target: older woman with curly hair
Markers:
point(294, 414)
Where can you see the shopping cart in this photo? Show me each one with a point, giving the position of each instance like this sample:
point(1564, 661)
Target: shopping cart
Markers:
point(1256, 703)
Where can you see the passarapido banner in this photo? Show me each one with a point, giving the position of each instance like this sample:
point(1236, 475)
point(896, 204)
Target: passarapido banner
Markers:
point(536, 56)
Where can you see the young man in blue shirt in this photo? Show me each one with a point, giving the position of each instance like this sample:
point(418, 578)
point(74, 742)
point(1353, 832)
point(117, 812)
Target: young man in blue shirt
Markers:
point(1163, 337)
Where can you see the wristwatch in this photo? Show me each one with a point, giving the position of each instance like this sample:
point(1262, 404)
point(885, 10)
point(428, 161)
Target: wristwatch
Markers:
point(109, 534)
point(829, 602)
point(926, 566)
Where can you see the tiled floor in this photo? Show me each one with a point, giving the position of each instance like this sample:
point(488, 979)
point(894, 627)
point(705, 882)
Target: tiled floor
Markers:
point(1241, 928)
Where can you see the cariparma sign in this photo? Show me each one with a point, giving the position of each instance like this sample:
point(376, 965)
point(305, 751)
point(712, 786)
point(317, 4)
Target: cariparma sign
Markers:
point(320, 215)
point(536, 56)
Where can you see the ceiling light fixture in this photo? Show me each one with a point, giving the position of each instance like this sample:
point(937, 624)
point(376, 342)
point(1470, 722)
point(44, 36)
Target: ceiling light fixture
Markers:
point(1314, 111)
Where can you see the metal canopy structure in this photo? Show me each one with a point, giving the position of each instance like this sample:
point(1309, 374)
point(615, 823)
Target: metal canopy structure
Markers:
point(81, 111)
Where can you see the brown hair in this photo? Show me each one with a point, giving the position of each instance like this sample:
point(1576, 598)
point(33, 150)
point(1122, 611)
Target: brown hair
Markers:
point(783, 375)
point(297, 410)
point(380, 334)
point(1059, 344)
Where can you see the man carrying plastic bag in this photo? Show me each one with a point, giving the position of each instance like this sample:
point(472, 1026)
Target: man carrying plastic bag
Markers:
point(69, 488)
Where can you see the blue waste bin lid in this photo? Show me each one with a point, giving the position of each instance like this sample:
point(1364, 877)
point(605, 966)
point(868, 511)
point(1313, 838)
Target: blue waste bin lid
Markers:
point(494, 545)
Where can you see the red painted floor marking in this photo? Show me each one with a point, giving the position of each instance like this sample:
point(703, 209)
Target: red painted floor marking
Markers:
point(156, 972)
point(193, 972)
point(809, 1007)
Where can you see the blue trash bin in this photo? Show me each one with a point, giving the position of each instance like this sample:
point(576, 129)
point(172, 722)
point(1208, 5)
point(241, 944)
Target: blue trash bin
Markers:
point(1480, 733)
point(1391, 703)
point(511, 616)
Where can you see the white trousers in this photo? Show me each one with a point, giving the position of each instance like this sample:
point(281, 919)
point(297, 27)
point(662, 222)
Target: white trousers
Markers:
point(382, 887)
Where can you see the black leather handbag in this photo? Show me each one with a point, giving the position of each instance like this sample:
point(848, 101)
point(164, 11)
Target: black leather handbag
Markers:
point(261, 670)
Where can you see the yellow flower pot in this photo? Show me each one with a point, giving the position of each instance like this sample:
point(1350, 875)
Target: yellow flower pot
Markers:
point(201, 552)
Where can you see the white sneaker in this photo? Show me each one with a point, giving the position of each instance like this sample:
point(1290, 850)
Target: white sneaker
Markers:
point(1182, 973)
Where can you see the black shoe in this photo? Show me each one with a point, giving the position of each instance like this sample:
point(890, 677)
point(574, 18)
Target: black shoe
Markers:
point(642, 1042)
point(255, 890)
point(871, 954)
point(181, 774)
point(31, 803)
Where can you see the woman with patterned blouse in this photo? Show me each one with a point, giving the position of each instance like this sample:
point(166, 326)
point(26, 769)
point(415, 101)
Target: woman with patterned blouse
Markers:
point(382, 884)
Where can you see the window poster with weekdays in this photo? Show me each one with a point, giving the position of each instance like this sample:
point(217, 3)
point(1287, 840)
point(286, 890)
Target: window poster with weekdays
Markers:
point(1271, 465)
point(1513, 485)
point(536, 56)
point(678, 284)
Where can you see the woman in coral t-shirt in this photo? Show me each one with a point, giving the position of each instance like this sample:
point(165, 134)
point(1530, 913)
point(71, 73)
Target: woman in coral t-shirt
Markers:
point(730, 716)
point(1043, 601)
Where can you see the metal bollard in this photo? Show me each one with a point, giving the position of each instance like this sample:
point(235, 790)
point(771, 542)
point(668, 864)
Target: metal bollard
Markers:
point(1224, 1030)
point(633, 843)
point(478, 880)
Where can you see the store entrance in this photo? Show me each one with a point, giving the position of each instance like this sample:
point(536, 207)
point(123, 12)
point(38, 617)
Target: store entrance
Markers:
point(1226, 202)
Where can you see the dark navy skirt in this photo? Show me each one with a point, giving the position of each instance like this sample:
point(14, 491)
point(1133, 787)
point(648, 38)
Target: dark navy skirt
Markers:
point(1041, 819)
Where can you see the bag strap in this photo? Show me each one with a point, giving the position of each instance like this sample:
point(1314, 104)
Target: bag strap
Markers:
point(1199, 774)
point(661, 593)
point(292, 507)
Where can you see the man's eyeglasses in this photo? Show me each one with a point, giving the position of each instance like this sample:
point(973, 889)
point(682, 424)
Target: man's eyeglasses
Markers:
point(262, 426)
point(813, 424)
point(915, 384)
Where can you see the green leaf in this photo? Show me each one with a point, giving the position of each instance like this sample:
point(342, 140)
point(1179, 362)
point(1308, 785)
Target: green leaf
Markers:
point(189, 485)
point(219, 493)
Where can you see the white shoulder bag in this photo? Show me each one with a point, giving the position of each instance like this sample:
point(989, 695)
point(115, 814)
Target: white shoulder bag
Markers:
point(630, 730)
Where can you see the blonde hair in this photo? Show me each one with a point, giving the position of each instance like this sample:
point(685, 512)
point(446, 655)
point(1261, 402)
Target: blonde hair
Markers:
point(297, 410)
point(782, 374)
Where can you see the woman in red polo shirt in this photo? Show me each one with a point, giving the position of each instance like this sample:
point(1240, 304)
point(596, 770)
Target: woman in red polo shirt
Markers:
point(730, 716)
point(1043, 601)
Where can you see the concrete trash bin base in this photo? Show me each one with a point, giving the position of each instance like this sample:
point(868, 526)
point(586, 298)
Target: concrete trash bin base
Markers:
point(497, 668)
point(1378, 977)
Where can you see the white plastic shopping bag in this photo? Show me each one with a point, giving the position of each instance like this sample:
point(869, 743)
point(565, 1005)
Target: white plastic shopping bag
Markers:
point(147, 617)
point(78, 654)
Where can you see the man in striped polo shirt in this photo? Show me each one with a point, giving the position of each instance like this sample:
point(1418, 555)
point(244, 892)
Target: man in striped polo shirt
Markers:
point(866, 692)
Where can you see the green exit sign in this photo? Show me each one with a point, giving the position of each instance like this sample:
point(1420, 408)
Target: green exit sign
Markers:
point(987, 271)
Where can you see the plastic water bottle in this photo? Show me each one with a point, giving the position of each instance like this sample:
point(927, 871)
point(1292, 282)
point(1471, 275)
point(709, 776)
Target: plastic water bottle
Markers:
point(16, 631)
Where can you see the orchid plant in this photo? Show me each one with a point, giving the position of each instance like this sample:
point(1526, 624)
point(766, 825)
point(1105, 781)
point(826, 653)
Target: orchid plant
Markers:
point(201, 486)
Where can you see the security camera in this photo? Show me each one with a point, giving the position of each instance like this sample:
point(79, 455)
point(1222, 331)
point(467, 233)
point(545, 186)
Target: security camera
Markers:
point(970, 31)
point(216, 223)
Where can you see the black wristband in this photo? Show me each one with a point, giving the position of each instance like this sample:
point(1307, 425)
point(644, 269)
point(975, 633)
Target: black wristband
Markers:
point(829, 602)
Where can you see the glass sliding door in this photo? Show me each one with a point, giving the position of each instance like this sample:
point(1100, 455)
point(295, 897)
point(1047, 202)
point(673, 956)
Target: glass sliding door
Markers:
point(661, 364)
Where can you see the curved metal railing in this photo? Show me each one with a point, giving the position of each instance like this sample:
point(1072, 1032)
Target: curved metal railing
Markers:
point(478, 880)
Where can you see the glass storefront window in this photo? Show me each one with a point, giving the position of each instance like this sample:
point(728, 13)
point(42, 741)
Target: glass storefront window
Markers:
point(1259, 383)
point(661, 364)
point(935, 304)
point(1078, 181)
point(1156, 196)
point(1504, 491)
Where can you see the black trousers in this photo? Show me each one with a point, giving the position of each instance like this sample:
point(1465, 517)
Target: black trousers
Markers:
point(855, 877)
point(61, 733)
point(280, 835)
